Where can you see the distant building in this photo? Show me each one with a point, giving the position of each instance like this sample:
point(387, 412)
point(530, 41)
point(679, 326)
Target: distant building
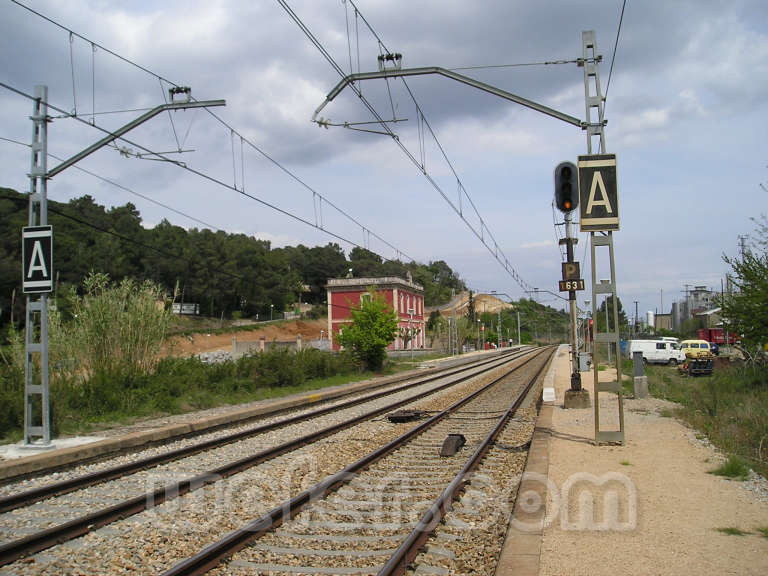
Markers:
point(404, 296)
point(700, 299)
point(663, 322)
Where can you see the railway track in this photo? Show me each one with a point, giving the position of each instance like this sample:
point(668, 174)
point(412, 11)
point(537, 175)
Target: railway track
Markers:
point(223, 432)
point(63, 518)
point(375, 515)
point(26, 492)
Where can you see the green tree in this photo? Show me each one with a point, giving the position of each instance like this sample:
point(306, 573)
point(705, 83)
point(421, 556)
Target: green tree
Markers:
point(600, 320)
point(746, 309)
point(373, 328)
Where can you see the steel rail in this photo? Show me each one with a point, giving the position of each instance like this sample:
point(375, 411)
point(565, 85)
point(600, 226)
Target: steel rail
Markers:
point(412, 545)
point(7, 503)
point(28, 497)
point(15, 549)
point(212, 555)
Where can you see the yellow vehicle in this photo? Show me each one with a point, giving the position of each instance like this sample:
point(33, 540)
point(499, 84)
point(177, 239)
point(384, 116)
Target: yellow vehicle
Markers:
point(696, 349)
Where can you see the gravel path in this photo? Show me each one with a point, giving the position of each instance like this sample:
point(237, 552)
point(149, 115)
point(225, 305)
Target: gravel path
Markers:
point(680, 508)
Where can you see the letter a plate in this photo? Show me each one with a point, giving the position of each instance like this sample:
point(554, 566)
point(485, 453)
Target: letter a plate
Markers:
point(598, 193)
point(37, 259)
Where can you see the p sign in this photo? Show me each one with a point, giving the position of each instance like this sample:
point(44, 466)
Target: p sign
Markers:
point(598, 193)
point(37, 258)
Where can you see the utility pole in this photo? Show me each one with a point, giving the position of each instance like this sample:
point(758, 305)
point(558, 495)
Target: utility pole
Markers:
point(37, 310)
point(39, 435)
point(742, 246)
point(569, 242)
point(662, 300)
point(455, 326)
point(607, 329)
point(498, 332)
point(519, 340)
point(635, 317)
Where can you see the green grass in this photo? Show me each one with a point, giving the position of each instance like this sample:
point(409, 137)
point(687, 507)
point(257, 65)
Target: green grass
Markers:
point(763, 531)
point(625, 463)
point(735, 468)
point(667, 413)
point(176, 386)
point(731, 531)
point(730, 408)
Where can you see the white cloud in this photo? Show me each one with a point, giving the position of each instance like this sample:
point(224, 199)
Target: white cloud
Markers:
point(536, 245)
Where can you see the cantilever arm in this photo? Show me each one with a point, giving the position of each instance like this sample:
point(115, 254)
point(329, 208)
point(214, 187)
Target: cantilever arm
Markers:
point(394, 73)
point(128, 127)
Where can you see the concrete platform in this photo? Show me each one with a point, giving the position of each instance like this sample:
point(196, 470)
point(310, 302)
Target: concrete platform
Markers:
point(648, 507)
point(20, 450)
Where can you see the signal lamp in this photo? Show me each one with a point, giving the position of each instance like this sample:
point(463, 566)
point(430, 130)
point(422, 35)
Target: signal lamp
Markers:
point(566, 187)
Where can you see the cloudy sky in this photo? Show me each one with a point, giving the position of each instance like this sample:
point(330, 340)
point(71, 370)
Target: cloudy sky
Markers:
point(686, 111)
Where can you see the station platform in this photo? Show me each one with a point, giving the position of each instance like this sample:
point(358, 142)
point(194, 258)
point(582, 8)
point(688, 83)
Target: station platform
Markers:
point(647, 507)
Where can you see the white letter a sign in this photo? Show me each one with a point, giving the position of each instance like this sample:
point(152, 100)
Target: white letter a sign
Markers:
point(598, 184)
point(37, 261)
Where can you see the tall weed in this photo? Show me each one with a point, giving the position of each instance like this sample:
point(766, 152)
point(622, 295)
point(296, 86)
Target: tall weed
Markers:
point(175, 385)
point(731, 407)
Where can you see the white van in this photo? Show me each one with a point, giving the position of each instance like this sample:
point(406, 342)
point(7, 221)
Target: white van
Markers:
point(657, 351)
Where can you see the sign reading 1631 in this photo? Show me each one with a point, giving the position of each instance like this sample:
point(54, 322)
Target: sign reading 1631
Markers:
point(568, 285)
point(598, 193)
point(37, 258)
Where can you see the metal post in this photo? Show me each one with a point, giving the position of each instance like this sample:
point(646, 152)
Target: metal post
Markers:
point(38, 216)
point(410, 319)
point(519, 341)
point(498, 332)
point(575, 375)
point(594, 102)
point(607, 329)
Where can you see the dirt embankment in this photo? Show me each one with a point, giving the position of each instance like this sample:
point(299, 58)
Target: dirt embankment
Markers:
point(280, 331)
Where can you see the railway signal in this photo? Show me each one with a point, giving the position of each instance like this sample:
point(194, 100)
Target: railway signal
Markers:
point(566, 187)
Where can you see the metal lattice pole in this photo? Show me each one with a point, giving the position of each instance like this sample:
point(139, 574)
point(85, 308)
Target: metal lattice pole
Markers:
point(594, 103)
point(37, 308)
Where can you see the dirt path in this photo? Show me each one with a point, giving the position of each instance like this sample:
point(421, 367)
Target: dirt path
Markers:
point(281, 331)
point(680, 507)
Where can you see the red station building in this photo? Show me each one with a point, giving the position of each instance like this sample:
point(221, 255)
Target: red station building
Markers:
point(404, 296)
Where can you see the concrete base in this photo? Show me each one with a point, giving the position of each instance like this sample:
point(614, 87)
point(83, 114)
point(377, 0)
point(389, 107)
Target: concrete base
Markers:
point(641, 386)
point(577, 399)
point(21, 450)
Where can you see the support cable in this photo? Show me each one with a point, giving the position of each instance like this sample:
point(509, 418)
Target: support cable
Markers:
point(72, 72)
point(459, 211)
point(170, 116)
point(121, 187)
point(506, 265)
point(613, 57)
point(201, 174)
point(222, 122)
point(93, 83)
point(194, 263)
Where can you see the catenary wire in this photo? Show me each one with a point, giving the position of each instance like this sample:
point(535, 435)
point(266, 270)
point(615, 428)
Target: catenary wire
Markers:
point(128, 239)
point(516, 65)
point(494, 251)
point(399, 253)
point(480, 235)
point(613, 57)
point(190, 261)
point(199, 173)
point(122, 187)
